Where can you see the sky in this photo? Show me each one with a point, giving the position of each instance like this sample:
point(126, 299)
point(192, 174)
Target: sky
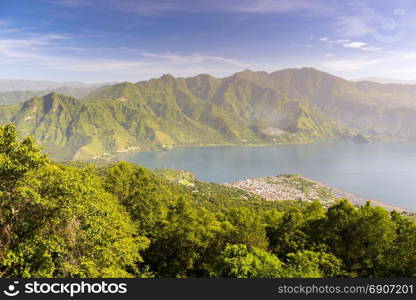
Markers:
point(133, 40)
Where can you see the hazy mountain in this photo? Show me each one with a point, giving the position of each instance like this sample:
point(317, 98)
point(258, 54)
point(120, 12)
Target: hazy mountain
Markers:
point(8, 85)
point(386, 80)
point(293, 105)
point(16, 97)
point(372, 108)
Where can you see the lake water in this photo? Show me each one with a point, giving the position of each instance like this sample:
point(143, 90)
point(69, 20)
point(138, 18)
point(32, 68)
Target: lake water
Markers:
point(380, 171)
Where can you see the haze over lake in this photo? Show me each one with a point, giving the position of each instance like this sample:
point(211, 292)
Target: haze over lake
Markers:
point(380, 171)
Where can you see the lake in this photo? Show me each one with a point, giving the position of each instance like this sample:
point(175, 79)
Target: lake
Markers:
point(380, 171)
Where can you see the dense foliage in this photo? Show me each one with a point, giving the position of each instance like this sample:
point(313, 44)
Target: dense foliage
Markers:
point(123, 220)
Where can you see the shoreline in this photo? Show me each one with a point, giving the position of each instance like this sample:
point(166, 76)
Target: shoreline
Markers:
point(113, 156)
point(298, 187)
point(136, 149)
point(356, 200)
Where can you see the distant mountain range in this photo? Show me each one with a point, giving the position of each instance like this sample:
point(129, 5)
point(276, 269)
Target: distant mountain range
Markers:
point(8, 85)
point(387, 80)
point(247, 108)
point(20, 96)
point(15, 91)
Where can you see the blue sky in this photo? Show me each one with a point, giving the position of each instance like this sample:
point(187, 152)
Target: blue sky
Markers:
point(117, 40)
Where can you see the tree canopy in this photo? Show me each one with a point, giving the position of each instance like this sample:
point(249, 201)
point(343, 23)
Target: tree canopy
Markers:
point(123, 220)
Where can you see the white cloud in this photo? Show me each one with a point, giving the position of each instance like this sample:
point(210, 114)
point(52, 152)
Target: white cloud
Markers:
point(27, 47)
point(389, 64)
point(370, 49)
point(195, 58)
point(44, 54)
point(357, 20)
point(362, 46)
point(347, 43)
point(353, 26)
point(352, 64)
point(349, 27)
point(355, 45)
point(342, 41)
point(9, 30)
point(273, 6)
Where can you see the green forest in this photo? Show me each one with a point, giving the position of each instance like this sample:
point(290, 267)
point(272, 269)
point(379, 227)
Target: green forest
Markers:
point(122, 220)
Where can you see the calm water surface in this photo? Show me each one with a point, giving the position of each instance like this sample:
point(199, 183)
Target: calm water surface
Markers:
point(381, 171)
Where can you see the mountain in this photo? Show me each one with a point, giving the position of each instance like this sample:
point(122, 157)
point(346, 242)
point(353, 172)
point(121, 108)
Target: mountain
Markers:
point(8, 85)
point(288, 106)
point(386, 80)
point(375, 109)
point(20, 96)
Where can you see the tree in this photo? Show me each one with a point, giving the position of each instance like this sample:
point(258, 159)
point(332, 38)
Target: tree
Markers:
point(360, 237)
point(241, 261)
point(309, 264)
point(400, 260)
point(141, 192)
point(181, 244)
point(244, 226)
point(22, 210)
point(373, 236)
point(288, 235)
point(59, 221)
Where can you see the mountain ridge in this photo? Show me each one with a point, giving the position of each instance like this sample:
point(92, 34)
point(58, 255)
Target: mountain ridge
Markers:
point(8, 85)
point(247, 108)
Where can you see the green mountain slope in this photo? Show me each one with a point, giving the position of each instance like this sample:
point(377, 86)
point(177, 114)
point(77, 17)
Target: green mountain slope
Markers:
point(294, 105)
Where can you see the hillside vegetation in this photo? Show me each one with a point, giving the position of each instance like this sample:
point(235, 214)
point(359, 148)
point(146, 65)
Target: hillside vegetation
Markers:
point(289, 106)
point(122, 220)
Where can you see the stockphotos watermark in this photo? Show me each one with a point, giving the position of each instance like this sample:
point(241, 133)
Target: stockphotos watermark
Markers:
point(62, 288)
